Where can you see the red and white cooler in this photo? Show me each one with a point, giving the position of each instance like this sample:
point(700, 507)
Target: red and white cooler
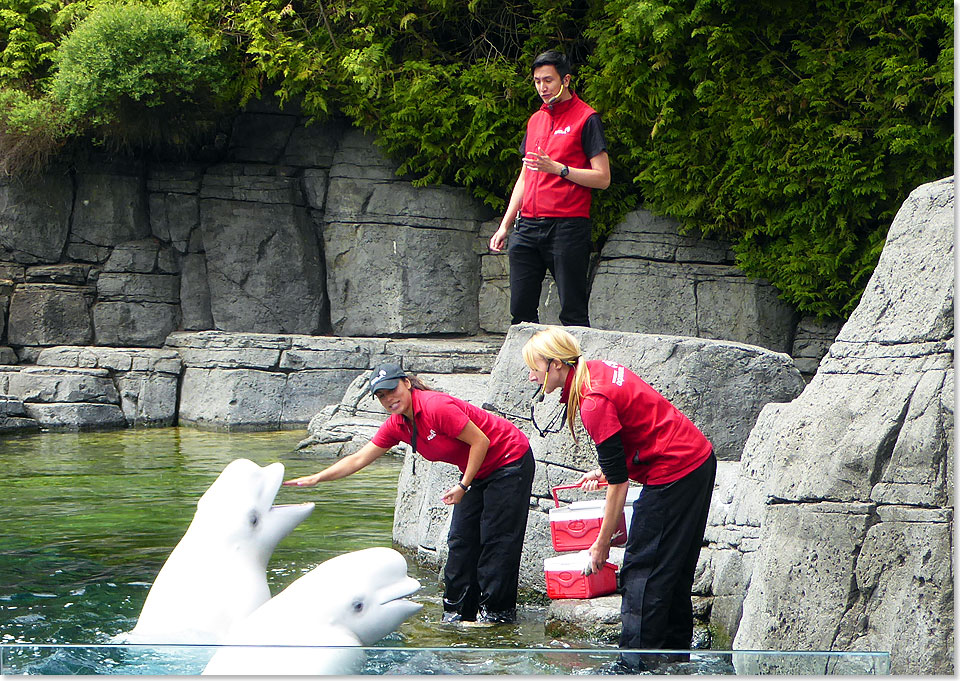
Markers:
point(575, 527)
point(565, 578)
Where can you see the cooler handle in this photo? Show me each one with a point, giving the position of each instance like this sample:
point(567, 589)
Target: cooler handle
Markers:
point(553, 490)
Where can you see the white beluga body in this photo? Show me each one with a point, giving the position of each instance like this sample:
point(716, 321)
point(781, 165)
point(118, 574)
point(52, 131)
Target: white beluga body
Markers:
point(216, 575)
point(344, 603)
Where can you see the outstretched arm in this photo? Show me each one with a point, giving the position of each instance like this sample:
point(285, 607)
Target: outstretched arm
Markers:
point(348, 465)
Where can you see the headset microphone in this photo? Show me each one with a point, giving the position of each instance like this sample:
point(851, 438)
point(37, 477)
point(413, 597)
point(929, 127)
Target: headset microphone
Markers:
point(556, 96)
point(541, 389)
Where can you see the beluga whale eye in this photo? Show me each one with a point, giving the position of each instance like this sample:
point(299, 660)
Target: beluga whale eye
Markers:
point(357, 606)
point(254, 518)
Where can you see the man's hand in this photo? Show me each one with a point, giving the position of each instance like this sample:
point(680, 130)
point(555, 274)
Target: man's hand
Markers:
point(498, 239)
point(539, 162)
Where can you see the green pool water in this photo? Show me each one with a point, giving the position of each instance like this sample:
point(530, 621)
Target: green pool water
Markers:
point(87, 520)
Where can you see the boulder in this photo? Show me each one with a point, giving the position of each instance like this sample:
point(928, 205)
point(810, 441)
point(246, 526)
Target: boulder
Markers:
point(110, 207)
point(851, 484)
point(264, 267)
point(50, 314)
point(400, 259)
point(35, 217)
point(652, 279)
point(721, 386)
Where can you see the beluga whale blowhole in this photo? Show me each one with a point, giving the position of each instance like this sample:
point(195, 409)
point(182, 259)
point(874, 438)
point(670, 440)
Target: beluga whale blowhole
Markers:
point(216, 574)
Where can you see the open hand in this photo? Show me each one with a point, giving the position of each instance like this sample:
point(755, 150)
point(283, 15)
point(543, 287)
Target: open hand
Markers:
point(305, 481)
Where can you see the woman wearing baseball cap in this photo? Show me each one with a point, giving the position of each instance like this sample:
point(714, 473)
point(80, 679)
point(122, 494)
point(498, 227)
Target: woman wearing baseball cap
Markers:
point(639, 436)
point(490, 501)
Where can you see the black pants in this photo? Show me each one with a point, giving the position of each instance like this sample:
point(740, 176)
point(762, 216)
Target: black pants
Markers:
point(561, 245)
point(660, 561)
point(486, 540)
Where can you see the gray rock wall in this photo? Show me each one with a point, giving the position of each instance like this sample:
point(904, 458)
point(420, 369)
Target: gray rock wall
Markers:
point(268, 382)
point(79, 388)
point(653, 280)
point(848, 489)
point(238, 245)
point(286, 227)
point(400, 259)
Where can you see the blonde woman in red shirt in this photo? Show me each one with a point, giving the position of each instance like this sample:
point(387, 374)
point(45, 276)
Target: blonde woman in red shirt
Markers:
point(491, 499)
point(639, 436)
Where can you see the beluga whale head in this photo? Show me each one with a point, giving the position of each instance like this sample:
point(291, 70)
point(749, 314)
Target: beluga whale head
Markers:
point(216, 575)
point(348, 601)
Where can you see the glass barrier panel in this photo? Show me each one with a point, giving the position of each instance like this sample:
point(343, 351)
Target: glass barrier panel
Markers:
point(190, 660)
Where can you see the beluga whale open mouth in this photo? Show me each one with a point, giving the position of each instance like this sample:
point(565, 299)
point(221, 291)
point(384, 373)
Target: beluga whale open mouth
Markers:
point(216, 574)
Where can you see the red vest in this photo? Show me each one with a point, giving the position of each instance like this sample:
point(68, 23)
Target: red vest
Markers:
point(558, 132)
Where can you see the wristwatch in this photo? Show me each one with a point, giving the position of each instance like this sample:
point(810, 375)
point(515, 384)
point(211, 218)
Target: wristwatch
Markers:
point(565, 171)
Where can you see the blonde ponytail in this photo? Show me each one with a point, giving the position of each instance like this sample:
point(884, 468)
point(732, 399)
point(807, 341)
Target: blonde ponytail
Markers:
point(555, 343)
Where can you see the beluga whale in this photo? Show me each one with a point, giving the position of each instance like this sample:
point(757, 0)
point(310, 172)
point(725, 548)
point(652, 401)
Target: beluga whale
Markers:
point(216, 575)
point(344, 603)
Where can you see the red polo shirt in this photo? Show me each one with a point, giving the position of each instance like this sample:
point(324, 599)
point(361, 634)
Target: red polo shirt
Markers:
point(660, 443)
point(440, 418)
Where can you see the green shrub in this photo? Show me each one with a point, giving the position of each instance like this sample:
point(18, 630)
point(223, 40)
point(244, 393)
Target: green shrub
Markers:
point(26, 39)
point(32, 131)
point(795, 128)
point(135, 74)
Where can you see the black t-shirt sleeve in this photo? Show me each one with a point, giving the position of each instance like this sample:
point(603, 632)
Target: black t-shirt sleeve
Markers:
point(592, 137)
point(613, 460)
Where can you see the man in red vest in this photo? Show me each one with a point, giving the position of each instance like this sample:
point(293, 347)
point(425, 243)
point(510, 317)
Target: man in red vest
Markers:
point(564, 157)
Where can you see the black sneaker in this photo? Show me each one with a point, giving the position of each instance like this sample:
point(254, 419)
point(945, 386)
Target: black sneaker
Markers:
point(497, 616)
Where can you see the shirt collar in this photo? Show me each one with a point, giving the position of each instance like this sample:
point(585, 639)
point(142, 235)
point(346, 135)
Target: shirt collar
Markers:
point(415, 397)
point(565, 393)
